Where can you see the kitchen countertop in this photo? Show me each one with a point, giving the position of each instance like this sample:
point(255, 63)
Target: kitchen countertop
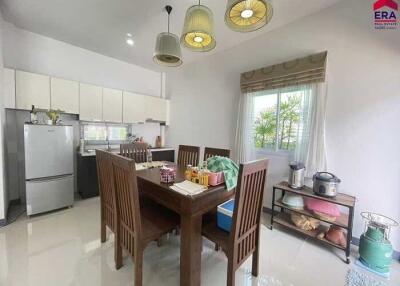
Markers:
point(116, 151)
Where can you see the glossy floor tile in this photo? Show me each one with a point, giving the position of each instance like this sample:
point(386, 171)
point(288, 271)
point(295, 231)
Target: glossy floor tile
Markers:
point(63, 248)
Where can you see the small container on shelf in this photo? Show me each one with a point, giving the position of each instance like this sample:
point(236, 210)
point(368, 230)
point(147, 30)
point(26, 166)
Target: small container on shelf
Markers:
point(33, 115)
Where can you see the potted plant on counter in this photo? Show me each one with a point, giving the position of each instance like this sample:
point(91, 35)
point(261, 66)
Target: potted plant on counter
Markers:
point(53, 116)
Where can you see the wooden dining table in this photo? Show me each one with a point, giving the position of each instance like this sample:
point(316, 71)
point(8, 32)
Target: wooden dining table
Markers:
point(191, 210)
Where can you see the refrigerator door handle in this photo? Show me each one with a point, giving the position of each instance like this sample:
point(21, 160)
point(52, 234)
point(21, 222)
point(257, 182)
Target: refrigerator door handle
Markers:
point(47, 179)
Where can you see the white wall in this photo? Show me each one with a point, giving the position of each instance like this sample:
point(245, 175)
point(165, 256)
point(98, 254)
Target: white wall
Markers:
point(35, 53)
point(3, 193)
point(203, 99)
point(363, 106)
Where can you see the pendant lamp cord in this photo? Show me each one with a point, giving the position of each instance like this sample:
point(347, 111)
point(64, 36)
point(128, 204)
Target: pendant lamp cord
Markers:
point(168, 9)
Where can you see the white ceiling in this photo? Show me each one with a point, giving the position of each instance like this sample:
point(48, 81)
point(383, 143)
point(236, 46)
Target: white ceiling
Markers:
point(101, 25)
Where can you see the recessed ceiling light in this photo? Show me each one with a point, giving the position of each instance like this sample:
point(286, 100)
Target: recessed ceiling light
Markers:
point(129, 35)
point(247, 13)
point(130, 41)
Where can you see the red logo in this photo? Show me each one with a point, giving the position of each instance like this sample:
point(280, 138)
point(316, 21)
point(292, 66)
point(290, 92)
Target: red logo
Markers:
point(386, 3)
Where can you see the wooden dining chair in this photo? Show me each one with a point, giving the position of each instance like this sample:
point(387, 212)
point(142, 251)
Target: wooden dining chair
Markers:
point(107, 206)
point(136, 225)
point(244, 238)
point(208, 153)
point(188, 155)
point(211, 152)
point(135, 151)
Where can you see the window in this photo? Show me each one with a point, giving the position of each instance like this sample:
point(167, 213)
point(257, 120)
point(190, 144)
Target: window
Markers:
point(117, 133)
point(95, 132)
point(101, 133)
point(277, 119)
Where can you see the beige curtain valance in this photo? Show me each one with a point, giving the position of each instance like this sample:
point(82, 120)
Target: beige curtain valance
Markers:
point(301, 71)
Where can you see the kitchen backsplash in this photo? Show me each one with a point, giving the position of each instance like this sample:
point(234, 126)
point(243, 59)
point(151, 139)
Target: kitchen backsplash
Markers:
point(149, 132)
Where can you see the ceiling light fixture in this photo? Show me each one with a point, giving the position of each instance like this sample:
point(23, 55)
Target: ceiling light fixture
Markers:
point(198, 39)
point(168, 50)
point(130, 41)
point(248, 15)
point(198, 29)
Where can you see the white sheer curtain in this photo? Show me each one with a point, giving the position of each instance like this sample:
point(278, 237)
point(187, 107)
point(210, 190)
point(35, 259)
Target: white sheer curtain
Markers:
point(244, 138)
point(310, 147)
point(310, 142)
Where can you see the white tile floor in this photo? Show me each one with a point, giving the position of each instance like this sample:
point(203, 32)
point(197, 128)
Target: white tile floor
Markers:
point(63, 248)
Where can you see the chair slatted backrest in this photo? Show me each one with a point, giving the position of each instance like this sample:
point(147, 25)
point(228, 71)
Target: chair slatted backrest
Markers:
point(105, 179)
point(188, 155)
point(211, 152)
point(127, 201)
point(248, 206)
point(135, 151)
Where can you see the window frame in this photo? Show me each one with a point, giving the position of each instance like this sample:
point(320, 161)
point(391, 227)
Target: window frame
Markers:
point(278, 93)
point(106, 125)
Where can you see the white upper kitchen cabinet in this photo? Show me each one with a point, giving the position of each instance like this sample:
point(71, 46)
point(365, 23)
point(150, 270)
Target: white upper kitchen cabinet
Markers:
point(32, 89)
point(9, 88)
point(65, 95)
point(90, 102)
point(134, 107)
point(156, 108)
point(112, 105)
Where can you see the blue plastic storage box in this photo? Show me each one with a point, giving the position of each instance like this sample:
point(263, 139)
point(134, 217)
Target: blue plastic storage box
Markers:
point(225, 214)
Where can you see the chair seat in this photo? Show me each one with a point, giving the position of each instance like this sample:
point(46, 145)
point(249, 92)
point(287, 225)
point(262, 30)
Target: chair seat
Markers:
point(156, 221)
point(215, 234)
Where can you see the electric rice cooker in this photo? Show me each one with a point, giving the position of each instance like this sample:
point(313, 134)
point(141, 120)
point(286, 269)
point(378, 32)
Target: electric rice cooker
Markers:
point(326, 184)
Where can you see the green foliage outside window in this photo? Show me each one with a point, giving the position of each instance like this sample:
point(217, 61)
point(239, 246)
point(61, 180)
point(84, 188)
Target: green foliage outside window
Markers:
point(271, 133)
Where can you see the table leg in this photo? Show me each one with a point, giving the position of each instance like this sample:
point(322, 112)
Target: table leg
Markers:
point(191, 243)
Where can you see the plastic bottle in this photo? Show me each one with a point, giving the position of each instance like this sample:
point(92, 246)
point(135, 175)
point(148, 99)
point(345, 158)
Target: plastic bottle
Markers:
point(188, 173)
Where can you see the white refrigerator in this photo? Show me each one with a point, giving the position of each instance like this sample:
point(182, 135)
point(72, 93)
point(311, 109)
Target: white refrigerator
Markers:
point(49, 171)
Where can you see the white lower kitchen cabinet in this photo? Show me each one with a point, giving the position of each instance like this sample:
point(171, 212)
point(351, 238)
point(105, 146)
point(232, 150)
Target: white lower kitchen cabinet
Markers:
point(9, 88)
point(32, 89)
point(112, 105)
point(134, 107)
point(65, 95)
point(90, 102)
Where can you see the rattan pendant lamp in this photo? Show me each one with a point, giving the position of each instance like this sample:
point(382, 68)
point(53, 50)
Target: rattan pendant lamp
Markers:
point(248, 15)
point(168, 50)
point(198, 29)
